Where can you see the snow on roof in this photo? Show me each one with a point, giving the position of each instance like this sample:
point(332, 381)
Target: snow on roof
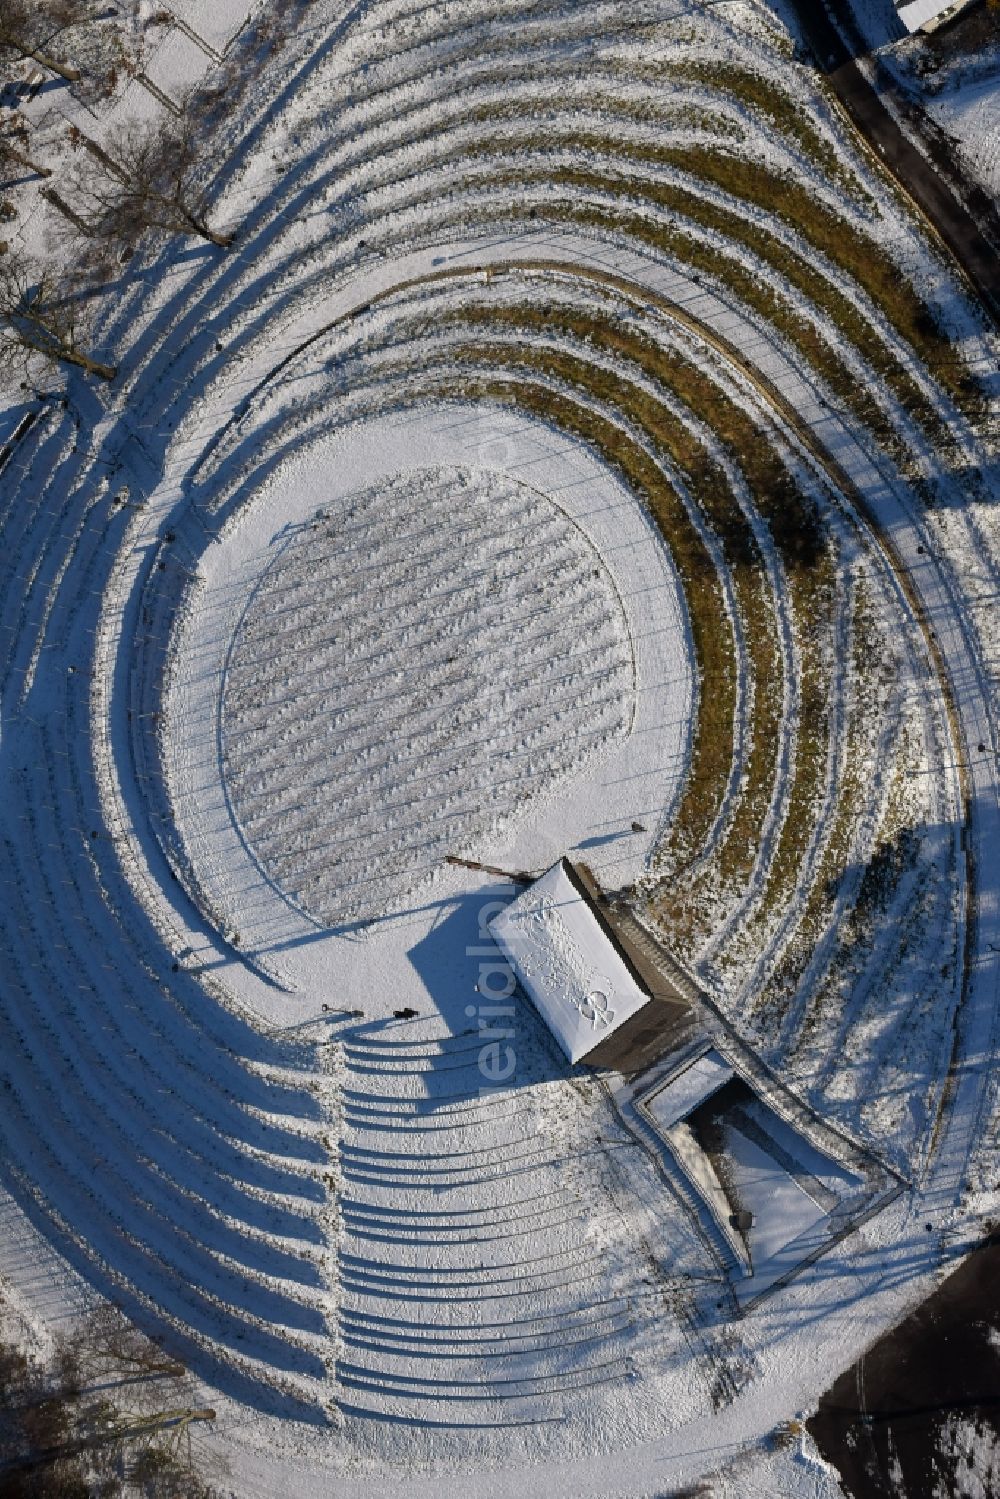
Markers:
point(689, 1087)
point(566, 962)
point(922, 12)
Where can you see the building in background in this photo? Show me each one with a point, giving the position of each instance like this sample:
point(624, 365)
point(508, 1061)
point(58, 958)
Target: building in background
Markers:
point(931, 15)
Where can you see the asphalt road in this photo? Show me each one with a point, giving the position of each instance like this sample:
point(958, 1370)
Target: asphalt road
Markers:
point(835, 47)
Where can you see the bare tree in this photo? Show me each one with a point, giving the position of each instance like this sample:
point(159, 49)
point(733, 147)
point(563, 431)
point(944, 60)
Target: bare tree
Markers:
point(111, 1413)
point(29, 27)
point(105, 1343)
point(42, 315)
point(145, 177)
point(14, 146)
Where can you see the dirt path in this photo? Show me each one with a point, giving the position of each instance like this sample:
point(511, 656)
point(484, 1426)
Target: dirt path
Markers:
point(927, 188)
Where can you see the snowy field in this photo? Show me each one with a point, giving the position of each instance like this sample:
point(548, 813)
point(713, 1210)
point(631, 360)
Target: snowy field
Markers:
point(578, 452)
point(963, 98)
point(491, 586)
point(970, 114)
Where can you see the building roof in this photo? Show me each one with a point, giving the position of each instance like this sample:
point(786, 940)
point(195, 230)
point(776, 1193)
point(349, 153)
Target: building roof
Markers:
point(681, 1094)
point(567, 960)
point(918, 15)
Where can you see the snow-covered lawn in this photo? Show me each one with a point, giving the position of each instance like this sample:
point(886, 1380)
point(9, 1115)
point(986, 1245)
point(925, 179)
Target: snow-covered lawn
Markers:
point(411, 645)
point(969, 111)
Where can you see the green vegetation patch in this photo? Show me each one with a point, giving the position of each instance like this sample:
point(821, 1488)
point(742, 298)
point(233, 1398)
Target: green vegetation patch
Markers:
point(775, 105)
point(795, 528)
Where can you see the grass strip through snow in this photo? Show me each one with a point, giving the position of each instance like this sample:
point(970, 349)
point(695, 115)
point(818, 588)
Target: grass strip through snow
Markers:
point(794, 526)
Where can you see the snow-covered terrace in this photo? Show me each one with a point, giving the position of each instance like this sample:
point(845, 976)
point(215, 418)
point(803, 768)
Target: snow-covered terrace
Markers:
point(420, 1154)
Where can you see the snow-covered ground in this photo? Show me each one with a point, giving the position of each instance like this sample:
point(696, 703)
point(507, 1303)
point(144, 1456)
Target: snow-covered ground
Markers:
point(965, 104)
point(497, 591)
point(363, 561)
point(955, 76)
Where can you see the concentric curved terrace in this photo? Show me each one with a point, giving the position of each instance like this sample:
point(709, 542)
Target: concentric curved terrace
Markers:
point(578, 229)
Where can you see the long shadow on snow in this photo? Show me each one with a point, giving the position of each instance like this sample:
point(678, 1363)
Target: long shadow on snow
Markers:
point(263, 222)
point(179, 1306)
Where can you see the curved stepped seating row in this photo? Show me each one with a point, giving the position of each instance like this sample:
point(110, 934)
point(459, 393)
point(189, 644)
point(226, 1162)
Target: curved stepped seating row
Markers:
point(187, 1159)
point(41, 501)
point(282, 199)
point(146, 1219)
point(66, 585)
point(35, 456)
point(143, 1066)
point(272, 1115)
point(467, 1280)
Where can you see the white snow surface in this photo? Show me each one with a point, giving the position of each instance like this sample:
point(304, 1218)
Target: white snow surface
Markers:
point(414, 668)
point(689, 1087)
point(563, 958)
point(425, 1168)
point(826, 1317)
point(177, 65)
point(582, 799)
point(782, 1210)
point(215, 25)
point(969, 112)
